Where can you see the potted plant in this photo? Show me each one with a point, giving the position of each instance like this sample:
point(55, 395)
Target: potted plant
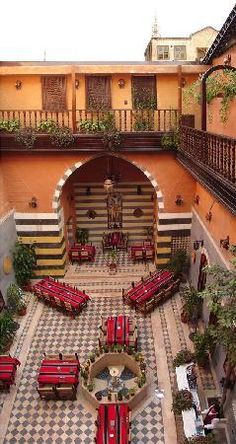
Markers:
point(179, 265)
point(90, 386)
point(109, 395)
point(15, 300)
point(8, 328)
point(208, 439)
point(120, 395)
point(92, 357)
point(132, 391)
point(24, 260)
point(82, 235)
point(192, 305)
point(182, 400)
point(202, 343)
point(184, 356)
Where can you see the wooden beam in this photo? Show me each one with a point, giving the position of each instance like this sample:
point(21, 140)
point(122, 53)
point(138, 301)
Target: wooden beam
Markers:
point(73, 107)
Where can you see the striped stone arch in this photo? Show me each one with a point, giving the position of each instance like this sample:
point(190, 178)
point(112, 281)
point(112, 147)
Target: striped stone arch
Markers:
point(56, 198)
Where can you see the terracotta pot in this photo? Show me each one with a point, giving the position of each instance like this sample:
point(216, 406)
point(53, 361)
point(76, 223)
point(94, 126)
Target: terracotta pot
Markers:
point(22, 311)
point(184, 317)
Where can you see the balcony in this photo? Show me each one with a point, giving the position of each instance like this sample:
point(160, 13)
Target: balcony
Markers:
point(211, 159)
point(141, 130)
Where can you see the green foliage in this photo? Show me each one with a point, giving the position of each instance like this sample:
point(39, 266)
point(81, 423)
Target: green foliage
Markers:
point(15, 298)
point(47, 126)
point(220, 297)
point(82, 235)
point(143, 123)
point(9, 126)
point(112, 140)
point(182, 400)
point(89, 126)
point(171, 140)
point(7, 330)
point(183, 357)
point(218, 84)
point(24, 260)
point(144, 99)
point(192, 303)
point(112, 257)
point(179, 263)
point(62, 137)
point(26, 137)
point(202, 344)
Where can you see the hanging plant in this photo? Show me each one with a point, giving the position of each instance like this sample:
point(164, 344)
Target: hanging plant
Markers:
point(222, 85)
point(62, 137)
point(9, 126)
point(26, 136)
point(47, 126)
point(112, 140)
point(182, 400)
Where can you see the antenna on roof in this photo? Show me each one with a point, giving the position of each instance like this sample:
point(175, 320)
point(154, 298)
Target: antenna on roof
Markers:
point(44, 55)
point(155, 28)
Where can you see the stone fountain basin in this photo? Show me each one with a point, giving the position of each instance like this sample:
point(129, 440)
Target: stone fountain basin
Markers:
point(113, 360)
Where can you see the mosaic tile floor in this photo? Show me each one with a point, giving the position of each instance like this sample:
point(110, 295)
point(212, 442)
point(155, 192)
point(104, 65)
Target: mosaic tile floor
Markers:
point(36, 421)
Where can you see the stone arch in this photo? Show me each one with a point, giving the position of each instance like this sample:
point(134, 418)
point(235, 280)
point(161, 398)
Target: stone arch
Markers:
point(56, 197)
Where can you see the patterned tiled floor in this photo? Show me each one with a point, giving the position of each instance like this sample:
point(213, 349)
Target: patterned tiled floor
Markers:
point(36, 421)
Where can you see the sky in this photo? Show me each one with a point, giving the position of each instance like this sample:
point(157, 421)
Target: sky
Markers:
point(98, 30)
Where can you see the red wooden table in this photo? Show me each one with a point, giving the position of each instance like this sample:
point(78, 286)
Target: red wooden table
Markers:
point(58, 372)
point(78, 248)
point(8, 366)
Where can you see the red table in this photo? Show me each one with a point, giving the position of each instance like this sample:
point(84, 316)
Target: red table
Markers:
point(8, 366)
point(78, 248)
point(117, 330)
point(113, 424)
point(54, 372)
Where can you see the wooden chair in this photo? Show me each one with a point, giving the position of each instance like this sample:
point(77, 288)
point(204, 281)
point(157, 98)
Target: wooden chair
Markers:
point(52, 357)
point(46, 297)
point(84, 256)
point(69, 308)
point(149, 254)
point(47, 392)
point(58, 302)
point(71, 357)
point(75, 256)
point(67, 391)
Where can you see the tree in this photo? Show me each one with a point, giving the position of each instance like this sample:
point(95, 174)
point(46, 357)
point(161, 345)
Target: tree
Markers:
point(220, 295)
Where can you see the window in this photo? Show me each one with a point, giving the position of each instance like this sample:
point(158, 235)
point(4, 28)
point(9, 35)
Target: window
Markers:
point(180, 52)
point(163, 52)
point(201, 52)
point(53, 93)
point(98, 92)
point(144, 92)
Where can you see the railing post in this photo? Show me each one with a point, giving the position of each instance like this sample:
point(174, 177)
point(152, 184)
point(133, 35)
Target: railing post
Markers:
point(73, 99)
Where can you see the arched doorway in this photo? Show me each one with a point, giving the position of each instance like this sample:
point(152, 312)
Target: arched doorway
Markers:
point(84, 199)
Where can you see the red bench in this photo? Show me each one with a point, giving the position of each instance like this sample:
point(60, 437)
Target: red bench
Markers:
point(8, 366)
point(113, 424)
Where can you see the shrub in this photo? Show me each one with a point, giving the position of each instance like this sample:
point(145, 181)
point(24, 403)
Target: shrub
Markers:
point(183, 357)
point(47, 126)
point(62, 137)
point(89, 126)
point(209, 439)
point(9, 126)
point(24, 260)
point(171, 140)
point(182, 400)
point(26, 137)
point(15, 299)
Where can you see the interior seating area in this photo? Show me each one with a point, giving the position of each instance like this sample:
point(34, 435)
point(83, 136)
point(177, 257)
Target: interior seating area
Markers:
point(82, 252)
point(116, 239)
point(113, 424)
point(142, 251)
point(118, 330)
point(61, 295)
point(151, 291)
point(58, 377)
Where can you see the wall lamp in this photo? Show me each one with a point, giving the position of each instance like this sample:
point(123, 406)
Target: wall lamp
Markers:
point(209, 216)
point(18, 84)
point(33, 203)
point(197, 199)
point(224, 243)
point(183, 82)
point(179, 200)
point(121, 83)
point(76, 84)
point(197, 244)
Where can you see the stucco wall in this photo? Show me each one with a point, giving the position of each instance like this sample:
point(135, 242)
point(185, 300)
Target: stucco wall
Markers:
point(7, 241)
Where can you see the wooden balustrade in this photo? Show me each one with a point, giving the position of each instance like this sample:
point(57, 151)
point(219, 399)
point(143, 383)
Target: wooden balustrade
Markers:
point(126, 120)
point(210, 150)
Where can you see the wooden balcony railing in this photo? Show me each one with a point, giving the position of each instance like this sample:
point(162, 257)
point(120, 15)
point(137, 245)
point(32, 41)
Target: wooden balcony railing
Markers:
point(126, 120)
point(212, 151)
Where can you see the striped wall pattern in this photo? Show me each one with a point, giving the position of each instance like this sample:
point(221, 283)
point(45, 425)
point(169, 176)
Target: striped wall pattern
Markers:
point(45, 230)
point(56, 198)
point(130, 201)
point(171, 226)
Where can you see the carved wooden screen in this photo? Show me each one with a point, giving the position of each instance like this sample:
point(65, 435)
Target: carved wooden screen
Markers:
point(53, 93)
point(144, 92)
point(98, 91)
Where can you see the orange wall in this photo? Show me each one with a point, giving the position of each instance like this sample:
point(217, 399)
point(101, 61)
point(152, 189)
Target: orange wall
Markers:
point(27, 175)
point(193, 108)
point(222, 224)
point(4, 204)
point(215, 124)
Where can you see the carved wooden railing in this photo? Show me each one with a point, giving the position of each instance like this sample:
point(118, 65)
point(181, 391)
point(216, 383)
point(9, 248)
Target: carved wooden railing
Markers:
point(213, 151)
point(126, 120)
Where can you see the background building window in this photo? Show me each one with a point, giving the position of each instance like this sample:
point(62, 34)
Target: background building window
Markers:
point(180, 52)
point(53, 93)
point(163, 52)
point(201, 52)
point(98, 91)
